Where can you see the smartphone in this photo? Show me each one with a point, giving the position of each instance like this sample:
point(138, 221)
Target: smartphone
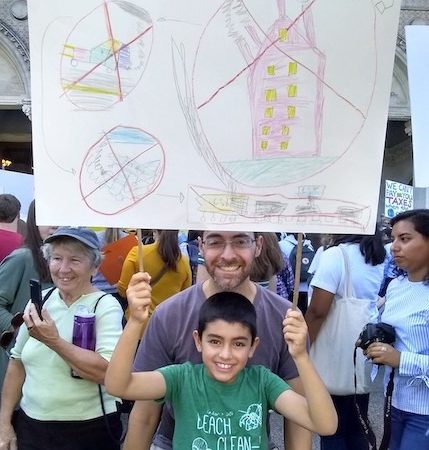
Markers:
point(36, 296)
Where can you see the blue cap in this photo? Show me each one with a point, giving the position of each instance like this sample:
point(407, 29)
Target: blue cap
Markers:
point(82, 234)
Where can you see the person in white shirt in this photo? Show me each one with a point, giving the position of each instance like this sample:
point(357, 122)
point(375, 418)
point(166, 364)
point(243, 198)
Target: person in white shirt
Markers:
point(365, 256)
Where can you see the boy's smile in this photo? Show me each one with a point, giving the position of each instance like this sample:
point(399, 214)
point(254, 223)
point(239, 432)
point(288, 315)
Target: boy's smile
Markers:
point(226, 348)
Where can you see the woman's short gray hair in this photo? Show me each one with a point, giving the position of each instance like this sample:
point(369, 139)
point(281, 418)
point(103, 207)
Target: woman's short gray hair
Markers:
point(94, 255)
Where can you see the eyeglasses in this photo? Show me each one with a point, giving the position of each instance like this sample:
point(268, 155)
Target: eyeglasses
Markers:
point(238, 243)
point(7, 337)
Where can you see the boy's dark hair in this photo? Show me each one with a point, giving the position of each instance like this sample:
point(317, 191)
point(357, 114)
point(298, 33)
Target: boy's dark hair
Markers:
point(10, 207)
point(230, 307)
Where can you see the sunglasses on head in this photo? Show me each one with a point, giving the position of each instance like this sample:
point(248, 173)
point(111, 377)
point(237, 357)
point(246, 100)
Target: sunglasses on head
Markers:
point(7, 337)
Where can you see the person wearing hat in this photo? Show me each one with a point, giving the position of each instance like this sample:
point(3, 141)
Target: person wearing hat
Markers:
point(57, 410)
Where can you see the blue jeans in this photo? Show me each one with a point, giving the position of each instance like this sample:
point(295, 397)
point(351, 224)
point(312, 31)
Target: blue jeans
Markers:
point(409, 431)
point(349, 435)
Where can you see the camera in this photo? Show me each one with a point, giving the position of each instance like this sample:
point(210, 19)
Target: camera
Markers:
point(375, 332)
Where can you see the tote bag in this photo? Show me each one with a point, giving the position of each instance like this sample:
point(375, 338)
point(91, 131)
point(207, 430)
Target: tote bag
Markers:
point(332, 351)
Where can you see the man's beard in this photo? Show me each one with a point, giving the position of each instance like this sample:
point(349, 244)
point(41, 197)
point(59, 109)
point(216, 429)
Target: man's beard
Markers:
point(224, 283)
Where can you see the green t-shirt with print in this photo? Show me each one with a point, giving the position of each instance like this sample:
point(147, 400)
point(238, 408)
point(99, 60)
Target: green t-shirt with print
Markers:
point(211, 415)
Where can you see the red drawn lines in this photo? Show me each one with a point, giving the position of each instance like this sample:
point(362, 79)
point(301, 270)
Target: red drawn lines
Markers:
point(121, 169)
point(255, 60)
point(274, 43)
point(237, 75)
point(115, 54)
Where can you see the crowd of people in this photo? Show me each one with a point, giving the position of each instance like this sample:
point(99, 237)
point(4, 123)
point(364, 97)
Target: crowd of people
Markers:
point(210, 342)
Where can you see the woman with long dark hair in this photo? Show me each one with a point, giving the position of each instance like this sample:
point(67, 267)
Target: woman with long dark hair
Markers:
point(16, 271)
point(170, 271)
point(364, 256)
point(407, 310)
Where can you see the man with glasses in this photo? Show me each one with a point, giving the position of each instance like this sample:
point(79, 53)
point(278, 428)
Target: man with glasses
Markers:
point(229, 256)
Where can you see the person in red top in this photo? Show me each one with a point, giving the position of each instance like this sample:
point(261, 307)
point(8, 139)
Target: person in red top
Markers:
point(10, 239)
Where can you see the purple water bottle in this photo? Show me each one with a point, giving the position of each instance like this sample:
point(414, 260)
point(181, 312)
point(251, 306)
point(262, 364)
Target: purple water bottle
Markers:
point(83, 330)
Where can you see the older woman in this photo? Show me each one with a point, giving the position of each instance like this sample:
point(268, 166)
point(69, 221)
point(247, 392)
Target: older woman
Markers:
point(58, 411)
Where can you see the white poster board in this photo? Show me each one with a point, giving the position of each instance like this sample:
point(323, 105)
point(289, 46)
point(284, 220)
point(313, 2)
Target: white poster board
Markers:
point(398, 197)
point(208, 114)
point(417, 38)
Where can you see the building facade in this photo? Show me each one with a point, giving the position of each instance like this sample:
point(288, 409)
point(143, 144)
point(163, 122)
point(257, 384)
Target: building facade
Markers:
point(15, 95)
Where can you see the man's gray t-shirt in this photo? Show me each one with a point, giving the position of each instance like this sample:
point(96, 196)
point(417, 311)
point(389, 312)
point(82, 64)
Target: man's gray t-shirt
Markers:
point(168, 340)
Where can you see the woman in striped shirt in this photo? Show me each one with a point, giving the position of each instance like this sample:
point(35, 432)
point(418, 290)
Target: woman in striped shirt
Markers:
point(407, 310)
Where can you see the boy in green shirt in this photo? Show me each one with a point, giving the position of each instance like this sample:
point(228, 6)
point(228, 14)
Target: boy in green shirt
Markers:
point(222, 404)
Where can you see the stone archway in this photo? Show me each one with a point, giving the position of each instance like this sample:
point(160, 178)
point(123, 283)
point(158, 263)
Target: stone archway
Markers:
point(15, 73)
point(15, 129)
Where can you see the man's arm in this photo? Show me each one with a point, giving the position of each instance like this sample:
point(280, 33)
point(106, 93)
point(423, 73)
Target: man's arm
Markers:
point(142, 424)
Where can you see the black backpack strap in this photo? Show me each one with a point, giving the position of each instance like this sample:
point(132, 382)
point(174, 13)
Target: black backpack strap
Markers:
point(98, 299)
point(48, 294)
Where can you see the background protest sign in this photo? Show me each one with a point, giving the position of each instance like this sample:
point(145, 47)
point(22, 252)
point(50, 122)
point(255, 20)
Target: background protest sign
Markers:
point(398, 197)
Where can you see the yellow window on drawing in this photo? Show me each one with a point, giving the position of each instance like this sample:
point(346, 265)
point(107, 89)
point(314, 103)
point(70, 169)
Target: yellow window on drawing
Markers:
point(291, 111)
point(264, 145)
point(270, 95)
point(283, 34)
point(266, 130)
point(285, 130)
point(283, 145)
point(292, 90)
point(271, 70)
point(269, 112)
point(293, 68)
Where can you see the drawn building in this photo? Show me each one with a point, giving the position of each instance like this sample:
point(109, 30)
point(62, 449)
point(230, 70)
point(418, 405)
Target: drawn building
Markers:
point(101, 54)
point(286, 89)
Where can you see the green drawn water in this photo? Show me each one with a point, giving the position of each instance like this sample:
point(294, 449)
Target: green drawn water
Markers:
point(275, 171)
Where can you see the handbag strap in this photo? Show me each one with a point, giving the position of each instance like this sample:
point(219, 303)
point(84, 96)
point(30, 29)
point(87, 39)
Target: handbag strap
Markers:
point(48, 294)
point(98, 299)
point(348, 288)
point(159, 275)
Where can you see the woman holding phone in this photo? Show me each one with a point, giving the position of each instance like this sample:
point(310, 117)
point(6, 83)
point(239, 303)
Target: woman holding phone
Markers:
point(407, 310)
point(58, 411)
